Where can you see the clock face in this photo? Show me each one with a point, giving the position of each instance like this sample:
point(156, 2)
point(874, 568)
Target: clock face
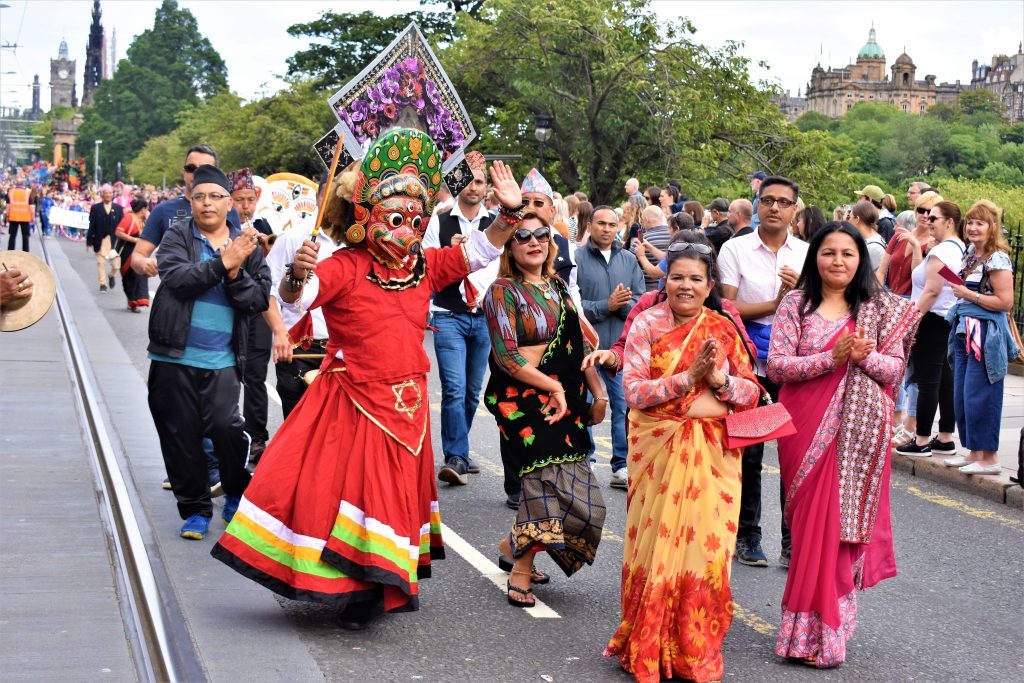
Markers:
point(63, 73)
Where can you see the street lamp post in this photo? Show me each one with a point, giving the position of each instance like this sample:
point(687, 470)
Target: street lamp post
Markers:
point(96, 163)
point(542, 123)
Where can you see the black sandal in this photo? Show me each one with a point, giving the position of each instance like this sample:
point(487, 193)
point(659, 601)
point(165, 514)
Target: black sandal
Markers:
point(537, 577)
point(522, 591)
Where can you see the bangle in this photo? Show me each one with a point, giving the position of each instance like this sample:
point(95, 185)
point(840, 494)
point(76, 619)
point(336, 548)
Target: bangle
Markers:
point(514, 215)
point(292, 283)
point(600, 398)
point(724, 386)
point(555, 393)
point(977, 298)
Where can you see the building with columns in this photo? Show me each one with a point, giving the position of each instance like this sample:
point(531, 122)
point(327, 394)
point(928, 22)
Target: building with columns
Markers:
point(833, 92)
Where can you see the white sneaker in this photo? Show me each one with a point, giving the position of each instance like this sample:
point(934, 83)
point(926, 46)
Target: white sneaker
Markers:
point(958, 461)
point(978, 468)
point(620, 479)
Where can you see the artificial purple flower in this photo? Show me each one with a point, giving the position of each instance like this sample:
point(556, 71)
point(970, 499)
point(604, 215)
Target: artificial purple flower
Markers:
point(411, 64)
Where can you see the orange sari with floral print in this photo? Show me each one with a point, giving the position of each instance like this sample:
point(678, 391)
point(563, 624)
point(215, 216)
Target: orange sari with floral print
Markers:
point(684, 493)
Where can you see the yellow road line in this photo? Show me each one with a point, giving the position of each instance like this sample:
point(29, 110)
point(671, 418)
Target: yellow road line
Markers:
point(753, 621)
point(944, 501)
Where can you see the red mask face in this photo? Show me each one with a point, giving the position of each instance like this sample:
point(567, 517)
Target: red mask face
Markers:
point(395, 230)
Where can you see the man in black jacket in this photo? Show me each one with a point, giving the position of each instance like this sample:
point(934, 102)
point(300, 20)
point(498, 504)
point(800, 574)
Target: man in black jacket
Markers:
point(212, 279)
point(104, 217)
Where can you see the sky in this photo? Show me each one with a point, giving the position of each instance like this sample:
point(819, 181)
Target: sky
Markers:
point(942, 37)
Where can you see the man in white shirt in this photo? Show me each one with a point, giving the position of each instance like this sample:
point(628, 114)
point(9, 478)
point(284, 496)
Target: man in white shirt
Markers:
point(461, 338)
point(756, 270)
point(290, 385)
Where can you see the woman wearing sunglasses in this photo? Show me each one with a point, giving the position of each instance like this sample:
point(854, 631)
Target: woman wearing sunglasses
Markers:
point(537, 393)
point(685, 368)
point(934, 296)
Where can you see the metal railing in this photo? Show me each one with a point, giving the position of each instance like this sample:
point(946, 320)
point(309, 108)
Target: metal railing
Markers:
point(1016, 240)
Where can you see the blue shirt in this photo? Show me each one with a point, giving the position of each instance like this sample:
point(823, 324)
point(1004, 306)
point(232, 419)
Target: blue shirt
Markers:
point(161, 216)
point(208, 345)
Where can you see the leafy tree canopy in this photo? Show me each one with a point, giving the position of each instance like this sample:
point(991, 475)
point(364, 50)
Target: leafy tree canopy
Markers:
point(168, 68)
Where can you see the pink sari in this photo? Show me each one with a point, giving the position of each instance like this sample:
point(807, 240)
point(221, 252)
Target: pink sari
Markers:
point(819, 606)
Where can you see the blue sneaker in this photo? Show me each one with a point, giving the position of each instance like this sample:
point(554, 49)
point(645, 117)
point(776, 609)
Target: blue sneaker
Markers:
point(195, 527)
point(230, 508)
point(748, 552)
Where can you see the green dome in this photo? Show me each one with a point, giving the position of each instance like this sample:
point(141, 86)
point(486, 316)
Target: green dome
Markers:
point(871, 49)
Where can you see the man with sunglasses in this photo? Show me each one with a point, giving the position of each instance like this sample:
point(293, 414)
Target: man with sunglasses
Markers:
point(756, 270)
point(461, 338)
point(610, 281)
point(161, 217)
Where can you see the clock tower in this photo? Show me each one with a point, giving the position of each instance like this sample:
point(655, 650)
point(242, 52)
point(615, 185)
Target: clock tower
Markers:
point(62, 80)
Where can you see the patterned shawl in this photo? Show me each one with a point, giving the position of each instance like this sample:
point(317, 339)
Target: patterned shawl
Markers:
point(863, 443)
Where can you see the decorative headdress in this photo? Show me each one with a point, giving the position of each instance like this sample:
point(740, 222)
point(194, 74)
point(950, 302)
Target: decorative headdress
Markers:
point(241, 180)
point(535, 182)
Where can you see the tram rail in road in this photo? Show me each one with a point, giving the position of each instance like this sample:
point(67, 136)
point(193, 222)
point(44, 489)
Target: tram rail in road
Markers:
point(161, 646)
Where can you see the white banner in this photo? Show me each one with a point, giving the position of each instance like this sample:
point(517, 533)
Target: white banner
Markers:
point(69, 218)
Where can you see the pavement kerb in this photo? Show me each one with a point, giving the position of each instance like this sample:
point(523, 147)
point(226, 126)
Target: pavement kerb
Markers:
point(995, 488)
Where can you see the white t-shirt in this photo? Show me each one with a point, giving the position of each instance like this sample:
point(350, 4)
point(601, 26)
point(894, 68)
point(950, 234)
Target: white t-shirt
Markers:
point(876, 250)
point(951, 253)
point(607, 255)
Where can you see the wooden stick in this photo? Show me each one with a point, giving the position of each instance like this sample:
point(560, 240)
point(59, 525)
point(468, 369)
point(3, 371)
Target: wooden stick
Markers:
point(308, 355)
point(330, 183)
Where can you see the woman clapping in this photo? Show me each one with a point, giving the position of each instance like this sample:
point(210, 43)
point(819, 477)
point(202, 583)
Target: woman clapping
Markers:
point(838, 347)
point(685, 367)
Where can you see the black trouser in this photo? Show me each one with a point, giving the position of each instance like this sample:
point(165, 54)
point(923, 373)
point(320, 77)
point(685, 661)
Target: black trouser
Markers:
point(254, 405)
point(187, 404)
point(933, 375)
point(14, 225)
point(290, 386)
point(750, 494)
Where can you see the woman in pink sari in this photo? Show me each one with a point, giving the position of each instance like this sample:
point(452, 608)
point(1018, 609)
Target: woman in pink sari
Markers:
point(839, 347)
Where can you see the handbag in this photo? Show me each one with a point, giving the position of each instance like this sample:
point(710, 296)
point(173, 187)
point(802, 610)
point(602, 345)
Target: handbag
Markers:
point(757, 425)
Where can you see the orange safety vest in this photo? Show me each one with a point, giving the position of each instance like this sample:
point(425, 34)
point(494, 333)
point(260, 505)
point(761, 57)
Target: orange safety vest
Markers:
point(19, 210)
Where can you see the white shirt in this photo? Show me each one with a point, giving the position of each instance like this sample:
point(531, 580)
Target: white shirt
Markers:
point(951, 253)
point(482, 278)
point(283, 253)
point(479, 253)
point(753, 269)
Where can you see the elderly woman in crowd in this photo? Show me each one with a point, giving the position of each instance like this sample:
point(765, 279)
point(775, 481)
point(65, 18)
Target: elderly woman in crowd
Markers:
point(838, 349)
point(136, 285)
point(537, 393)
point(980, 340)
point(685, 369)
point(934, 296)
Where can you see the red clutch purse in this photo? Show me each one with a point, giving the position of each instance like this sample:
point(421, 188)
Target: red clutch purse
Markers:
point(758, 425)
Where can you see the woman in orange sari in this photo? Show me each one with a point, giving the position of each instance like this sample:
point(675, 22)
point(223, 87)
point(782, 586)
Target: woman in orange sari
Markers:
point(685, 368)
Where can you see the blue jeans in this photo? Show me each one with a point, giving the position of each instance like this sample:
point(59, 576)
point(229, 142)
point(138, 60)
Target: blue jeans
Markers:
point(461, 345)
point(978, 405)
point(617, 401)
point(907, 398)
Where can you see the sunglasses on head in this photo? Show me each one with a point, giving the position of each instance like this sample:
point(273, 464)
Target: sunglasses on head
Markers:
point(522, 235)
point(684, 246)
point(189, 168)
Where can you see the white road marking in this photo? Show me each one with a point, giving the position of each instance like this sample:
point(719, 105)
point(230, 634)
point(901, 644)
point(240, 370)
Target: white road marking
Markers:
point(272, 393)
point(490, 571)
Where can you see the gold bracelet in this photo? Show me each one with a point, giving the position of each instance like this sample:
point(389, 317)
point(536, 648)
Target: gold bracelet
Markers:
point(555, 393)
point(601, 398)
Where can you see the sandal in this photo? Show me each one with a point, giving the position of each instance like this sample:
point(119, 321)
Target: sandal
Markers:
point(537, 577)
point(522, 591)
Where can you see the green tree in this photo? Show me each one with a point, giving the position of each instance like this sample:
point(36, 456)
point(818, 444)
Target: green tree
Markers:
point(354, 40)
point(813, 120)
point(167, 69)
point(980, 106)
point(630, 93)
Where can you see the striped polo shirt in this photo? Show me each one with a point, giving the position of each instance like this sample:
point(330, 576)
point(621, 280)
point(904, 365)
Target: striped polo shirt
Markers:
point(208, 345)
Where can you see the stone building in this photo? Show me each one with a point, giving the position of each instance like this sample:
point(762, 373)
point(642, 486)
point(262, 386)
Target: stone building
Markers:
point(833, 92)
point(1005, 77)
point(63, 92)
